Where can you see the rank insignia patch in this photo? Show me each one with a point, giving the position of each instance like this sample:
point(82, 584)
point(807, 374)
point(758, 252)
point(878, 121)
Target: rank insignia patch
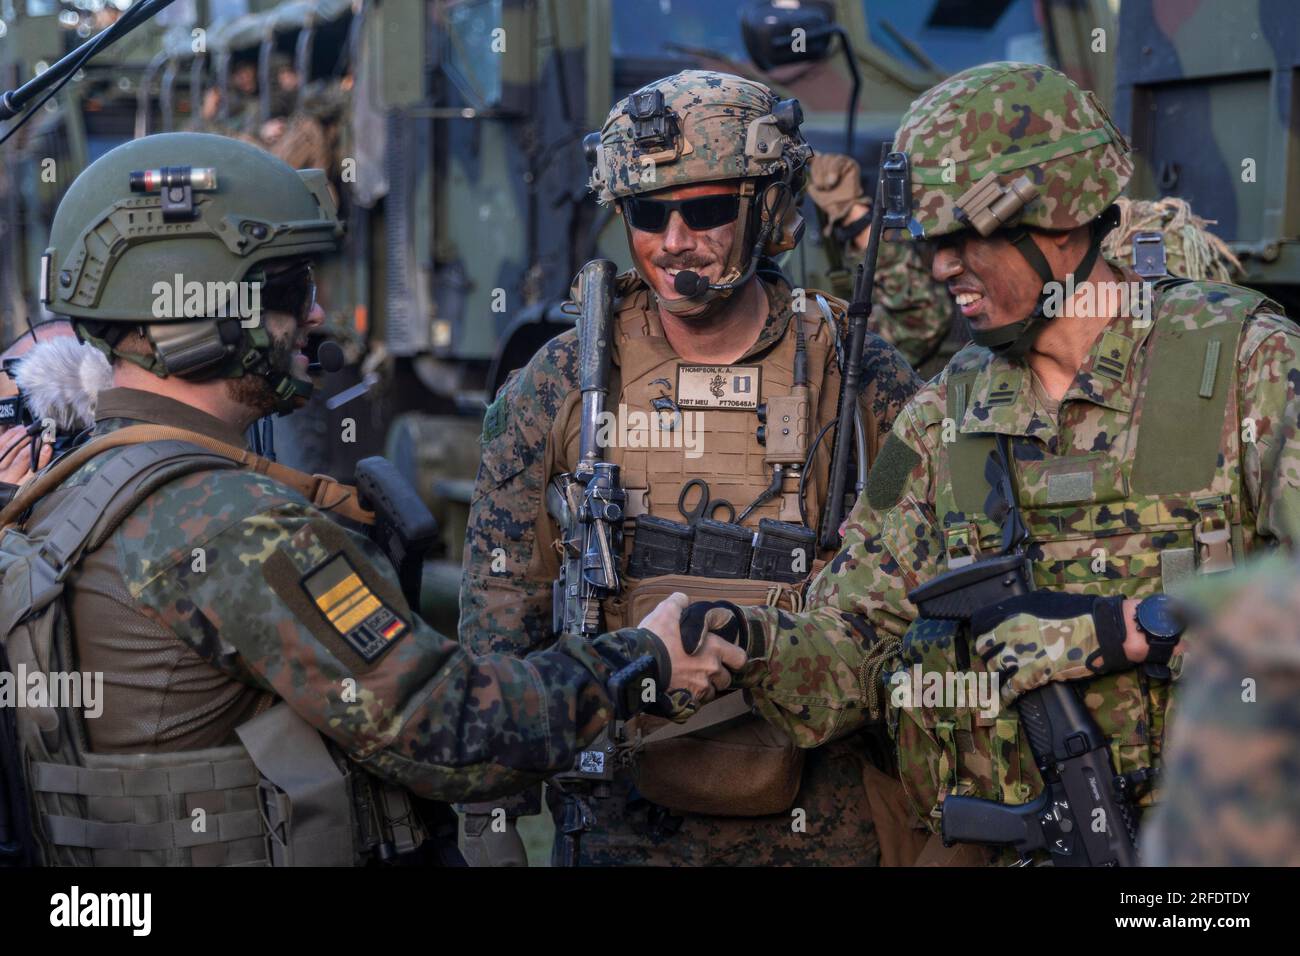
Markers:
point(365, 622)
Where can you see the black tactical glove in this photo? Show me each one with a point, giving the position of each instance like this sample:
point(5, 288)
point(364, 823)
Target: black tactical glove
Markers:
point(722, 618)
point(1086, 635)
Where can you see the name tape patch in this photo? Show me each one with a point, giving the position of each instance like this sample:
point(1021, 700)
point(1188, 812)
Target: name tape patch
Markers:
point(734, 387)
point(365, 622)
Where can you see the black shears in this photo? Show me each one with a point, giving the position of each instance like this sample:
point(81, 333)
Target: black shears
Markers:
point(705, 507)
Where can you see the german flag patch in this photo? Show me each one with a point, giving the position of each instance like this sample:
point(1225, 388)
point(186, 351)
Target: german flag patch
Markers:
point(365, 622)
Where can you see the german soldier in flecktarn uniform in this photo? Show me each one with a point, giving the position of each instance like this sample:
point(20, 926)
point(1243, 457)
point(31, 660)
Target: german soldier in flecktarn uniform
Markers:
point(268, 695)
point(725, 377)
point(1136, 424)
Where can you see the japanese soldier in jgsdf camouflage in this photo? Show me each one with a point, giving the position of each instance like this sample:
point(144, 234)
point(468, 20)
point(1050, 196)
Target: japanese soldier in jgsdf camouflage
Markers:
point(1140, 433)
point(723, 377)
point(265, 683)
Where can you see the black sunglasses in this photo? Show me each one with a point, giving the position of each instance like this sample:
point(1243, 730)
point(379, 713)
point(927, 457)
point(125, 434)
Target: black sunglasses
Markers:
point(701, 213)
point(292, 290)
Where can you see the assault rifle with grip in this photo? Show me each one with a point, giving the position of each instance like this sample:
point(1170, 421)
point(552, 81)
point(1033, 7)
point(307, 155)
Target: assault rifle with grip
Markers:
point(589, 505)
point(1084, 815)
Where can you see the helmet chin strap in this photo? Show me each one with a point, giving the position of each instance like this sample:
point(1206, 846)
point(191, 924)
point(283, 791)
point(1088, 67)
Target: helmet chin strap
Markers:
point(1015, 340)
point(256, 360)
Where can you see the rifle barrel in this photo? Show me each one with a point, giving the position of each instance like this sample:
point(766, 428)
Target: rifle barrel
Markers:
point(595, 330)
point(859, 312)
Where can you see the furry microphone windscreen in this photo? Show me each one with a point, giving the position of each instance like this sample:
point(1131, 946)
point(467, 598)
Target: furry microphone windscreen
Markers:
point(61, 379)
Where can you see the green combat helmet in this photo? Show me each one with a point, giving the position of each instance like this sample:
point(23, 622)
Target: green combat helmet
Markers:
point(1013, 146)
point(225, 227)
point(699, 126)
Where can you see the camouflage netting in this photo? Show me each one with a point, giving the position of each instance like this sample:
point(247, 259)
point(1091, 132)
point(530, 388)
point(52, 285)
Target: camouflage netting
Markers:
point(1191, 250)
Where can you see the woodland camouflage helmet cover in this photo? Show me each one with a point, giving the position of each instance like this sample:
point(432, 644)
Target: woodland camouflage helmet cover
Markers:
point(697, 126)
point(700, 126)
point(1004, 126)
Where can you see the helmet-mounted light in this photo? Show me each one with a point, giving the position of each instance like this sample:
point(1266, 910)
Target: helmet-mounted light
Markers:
point(176, 185)
point(988, 205)
point(591, 148)
point(789, 116)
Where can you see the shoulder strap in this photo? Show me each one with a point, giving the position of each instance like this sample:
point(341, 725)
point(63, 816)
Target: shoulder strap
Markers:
point(321, 490)
point(102, 503)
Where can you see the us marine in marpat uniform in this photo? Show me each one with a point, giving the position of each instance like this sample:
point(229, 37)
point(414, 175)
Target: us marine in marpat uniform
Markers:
point(713, 355)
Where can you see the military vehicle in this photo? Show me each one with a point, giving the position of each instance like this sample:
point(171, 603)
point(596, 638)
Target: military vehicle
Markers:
point(1206, 93)
point(452, 132)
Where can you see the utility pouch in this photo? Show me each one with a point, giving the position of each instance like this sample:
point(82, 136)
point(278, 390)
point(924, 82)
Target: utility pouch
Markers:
point(721, 550)
point(782, 551)
point(660, 547)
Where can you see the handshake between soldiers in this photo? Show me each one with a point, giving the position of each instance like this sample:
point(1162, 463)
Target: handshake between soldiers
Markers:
point(258, 657)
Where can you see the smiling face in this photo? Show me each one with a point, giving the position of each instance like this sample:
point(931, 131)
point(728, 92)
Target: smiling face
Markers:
point(991, 281)
point(659, 256)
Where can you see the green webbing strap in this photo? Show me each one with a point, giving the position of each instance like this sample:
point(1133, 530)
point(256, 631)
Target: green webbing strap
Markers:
point(142, 781)
point(151, 837)
point(945, 731)
point(305, 796)
point(969, 452)
point(936, 175)
point(1188, 383)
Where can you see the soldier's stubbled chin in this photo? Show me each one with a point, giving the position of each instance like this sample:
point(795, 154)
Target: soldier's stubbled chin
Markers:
point(254, 391)
point(682, 263)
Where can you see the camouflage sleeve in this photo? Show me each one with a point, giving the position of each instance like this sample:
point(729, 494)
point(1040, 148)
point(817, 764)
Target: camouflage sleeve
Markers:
point(314, 614)
point(505, 589)
point(888, 383)
point(816, 673)
point(1228, 794)
point(1270, 449)
point(910, 310)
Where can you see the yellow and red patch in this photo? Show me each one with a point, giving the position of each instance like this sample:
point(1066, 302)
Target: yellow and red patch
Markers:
point(365, 622)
